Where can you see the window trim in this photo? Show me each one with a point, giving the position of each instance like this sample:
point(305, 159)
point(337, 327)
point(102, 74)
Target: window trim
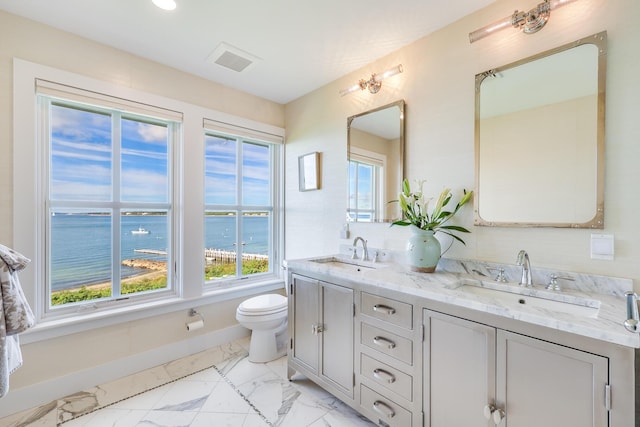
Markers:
point(28, 225)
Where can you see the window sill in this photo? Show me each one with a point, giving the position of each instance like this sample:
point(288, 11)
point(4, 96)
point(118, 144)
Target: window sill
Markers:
point(55, 328)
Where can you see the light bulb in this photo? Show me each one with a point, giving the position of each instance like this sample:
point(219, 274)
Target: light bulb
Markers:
point(165, 4)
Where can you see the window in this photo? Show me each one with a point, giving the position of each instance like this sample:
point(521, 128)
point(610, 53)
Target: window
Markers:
point(106, 192)
point(107, 200)
point(366, 169)
point(240, 223)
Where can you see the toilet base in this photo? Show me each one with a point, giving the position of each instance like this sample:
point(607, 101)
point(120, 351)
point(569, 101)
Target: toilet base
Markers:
point(268, 345)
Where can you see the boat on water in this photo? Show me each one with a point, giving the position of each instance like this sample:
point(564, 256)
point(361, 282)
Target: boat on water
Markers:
point(140, 230)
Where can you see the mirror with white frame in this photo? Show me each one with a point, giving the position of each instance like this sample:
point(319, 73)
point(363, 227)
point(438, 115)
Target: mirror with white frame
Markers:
point(375, 149)
point(539, 139)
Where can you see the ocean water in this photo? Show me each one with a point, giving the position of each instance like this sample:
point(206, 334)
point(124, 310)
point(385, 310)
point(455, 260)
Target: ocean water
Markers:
point(81, 244)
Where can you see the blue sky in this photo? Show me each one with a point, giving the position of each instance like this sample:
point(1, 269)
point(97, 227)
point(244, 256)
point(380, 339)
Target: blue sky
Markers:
point(364, 181)
point(220, 172)
point(81, 161)
point(82, 165)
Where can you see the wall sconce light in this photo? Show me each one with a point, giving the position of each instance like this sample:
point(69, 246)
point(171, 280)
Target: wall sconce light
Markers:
point(528, 22)
point(374, 83)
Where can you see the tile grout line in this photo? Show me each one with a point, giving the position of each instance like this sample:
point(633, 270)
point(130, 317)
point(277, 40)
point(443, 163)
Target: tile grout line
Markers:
point(245, 398)
point(58, 423)
point(134, 395)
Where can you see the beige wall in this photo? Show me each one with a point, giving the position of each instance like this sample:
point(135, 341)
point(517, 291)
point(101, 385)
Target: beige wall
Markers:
point(438, 86)
point(75, 357)
point(44, 45)
point(567, 178)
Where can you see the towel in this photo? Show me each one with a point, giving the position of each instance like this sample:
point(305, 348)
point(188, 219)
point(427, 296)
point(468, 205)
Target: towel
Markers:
point(15, 314)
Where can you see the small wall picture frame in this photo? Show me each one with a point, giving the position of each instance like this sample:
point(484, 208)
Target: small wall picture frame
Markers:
point(309, 171)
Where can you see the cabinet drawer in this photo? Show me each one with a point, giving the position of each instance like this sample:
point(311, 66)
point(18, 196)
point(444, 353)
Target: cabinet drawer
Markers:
point(387, 342)
point(389, 310)
point(383, 409)
point(387, 376)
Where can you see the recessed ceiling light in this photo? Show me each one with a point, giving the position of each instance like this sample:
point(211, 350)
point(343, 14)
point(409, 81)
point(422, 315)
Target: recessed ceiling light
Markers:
point(165, 4)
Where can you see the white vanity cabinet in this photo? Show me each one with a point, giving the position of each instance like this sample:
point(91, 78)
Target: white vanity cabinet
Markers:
point(321, 319)
point(479, 375)
point(389, 365)
point(406, 350)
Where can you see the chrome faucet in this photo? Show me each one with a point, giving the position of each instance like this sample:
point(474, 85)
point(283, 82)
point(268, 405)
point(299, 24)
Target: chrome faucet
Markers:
point(365, 252)
point(523, 260)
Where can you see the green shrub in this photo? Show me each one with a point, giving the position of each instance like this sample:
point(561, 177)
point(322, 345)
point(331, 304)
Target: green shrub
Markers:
point(85, 294)
point(149, 284)
point(229, 270)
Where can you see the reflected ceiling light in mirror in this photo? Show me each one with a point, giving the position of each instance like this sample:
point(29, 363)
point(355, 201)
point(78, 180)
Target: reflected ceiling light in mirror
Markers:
point(165, 4)
point(374, 83)
point(528, 22)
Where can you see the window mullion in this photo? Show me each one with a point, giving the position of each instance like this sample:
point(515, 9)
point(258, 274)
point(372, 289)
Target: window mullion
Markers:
point(239, 171)
point(44, 303)
point(116, 218)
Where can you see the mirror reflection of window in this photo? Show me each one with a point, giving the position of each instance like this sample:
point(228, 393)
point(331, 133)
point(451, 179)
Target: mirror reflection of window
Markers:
point(366, 175)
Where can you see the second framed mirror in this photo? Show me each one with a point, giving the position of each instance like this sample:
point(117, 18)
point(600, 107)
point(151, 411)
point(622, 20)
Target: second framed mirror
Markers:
point(375, 151)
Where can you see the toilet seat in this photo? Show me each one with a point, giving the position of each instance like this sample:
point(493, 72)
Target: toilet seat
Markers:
point(263, 305)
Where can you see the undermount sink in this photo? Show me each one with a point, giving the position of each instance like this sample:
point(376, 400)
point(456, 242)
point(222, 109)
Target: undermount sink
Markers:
point(349, 264)
point(515, 296)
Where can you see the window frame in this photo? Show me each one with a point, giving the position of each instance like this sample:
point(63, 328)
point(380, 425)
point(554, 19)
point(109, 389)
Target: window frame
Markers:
point(118, 111)
point(29, 227)
point(378, 164)
point(239, 207)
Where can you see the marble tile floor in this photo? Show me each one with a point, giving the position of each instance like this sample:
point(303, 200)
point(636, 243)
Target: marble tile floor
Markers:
point(234, 393)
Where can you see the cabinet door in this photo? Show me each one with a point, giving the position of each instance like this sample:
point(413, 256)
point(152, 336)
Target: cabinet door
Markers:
point(337, 335)
point(540, 383)
point(303, 325)
point(459, 371)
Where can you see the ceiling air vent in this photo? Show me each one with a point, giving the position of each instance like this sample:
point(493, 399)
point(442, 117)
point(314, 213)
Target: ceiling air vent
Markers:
point(231, 57)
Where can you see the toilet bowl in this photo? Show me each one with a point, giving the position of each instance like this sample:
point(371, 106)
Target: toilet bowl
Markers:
point(266, 316)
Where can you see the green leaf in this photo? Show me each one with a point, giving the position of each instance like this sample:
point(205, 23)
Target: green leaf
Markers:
point(454, 227)
point(455, 237)
point(406, 190)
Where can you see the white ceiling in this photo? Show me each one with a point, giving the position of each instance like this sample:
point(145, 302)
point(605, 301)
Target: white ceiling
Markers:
point(301, 45)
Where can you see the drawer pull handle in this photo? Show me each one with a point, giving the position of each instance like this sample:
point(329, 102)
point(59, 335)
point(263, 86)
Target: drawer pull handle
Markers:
point(383, 375)
point(384, 309)
point(383, 342)
point(384, 409)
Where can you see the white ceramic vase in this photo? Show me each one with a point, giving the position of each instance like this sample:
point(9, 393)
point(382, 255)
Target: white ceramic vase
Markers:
point(423, 250)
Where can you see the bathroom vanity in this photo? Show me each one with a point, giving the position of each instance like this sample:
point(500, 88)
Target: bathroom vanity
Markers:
point(453, 348)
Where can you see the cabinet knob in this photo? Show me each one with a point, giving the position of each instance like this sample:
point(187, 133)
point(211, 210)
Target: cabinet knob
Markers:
point(491, 412)
point(384, 409)
point(383, 375)
point(383, 342)
point(384, 309)
point(498, 416)
point(488, 411)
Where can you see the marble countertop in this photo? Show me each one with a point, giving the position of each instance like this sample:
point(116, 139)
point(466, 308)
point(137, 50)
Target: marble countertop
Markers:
point(600, 312)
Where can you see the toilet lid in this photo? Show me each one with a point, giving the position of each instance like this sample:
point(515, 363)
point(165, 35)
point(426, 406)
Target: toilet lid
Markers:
point(262, 303)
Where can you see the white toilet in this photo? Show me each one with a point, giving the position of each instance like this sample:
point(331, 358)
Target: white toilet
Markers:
point(266, 316)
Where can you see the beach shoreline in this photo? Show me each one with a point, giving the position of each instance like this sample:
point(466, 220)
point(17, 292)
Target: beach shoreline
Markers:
point(151, 270)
